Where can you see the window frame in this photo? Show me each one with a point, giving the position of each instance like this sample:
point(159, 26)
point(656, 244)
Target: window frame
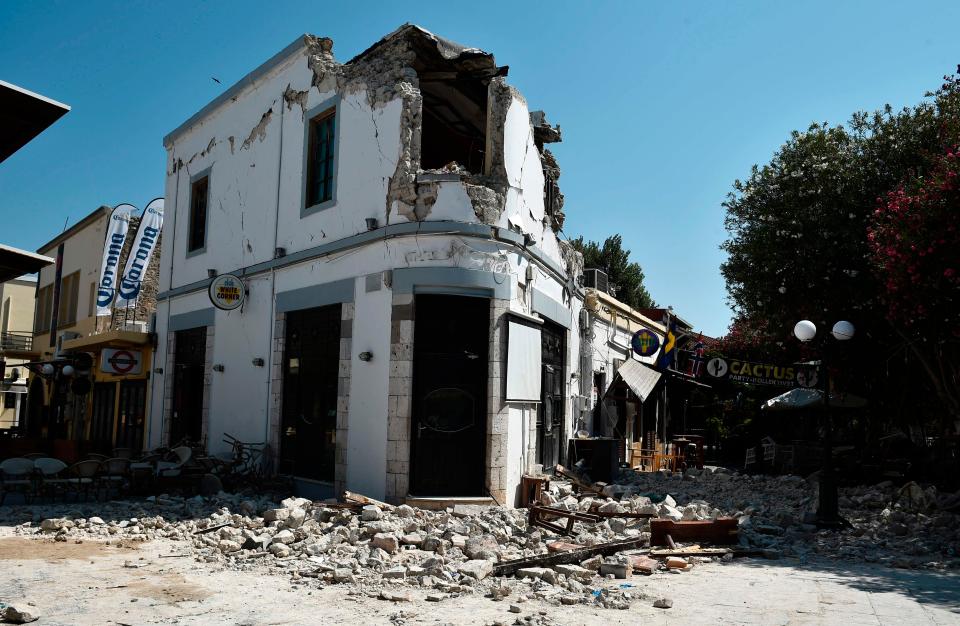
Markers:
point(69, 300)
point(331, 107)
point(196, 178)
point(44, 310)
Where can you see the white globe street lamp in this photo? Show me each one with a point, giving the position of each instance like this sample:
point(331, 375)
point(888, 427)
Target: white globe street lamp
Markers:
point(805, 330)
point(828, 514)
point(842, 331)
point(68, 370)
point(47, 369)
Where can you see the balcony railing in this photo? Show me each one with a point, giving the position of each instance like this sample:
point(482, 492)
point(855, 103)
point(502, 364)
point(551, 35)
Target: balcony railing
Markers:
point(13, 340)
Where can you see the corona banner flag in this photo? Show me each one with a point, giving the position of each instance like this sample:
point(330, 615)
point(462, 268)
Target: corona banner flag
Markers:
point(148, 236)
point(110, 265)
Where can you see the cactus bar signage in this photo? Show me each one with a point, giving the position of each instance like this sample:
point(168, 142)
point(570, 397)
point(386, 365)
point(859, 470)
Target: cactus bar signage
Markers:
point(758, 373)
point(227, 292)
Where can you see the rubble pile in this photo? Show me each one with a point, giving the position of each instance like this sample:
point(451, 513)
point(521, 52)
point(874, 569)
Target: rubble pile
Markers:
point(374, 549)
point(388, 551)
point(904, 526)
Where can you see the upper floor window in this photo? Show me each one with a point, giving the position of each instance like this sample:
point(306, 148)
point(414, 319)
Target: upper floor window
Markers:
point(321, 155)
point(197, 231)
point(44, 310)
point(69, 293)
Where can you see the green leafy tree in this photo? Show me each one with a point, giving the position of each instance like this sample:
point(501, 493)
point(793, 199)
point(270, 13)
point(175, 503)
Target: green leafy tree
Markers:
point(798, 245)
point(613, 259)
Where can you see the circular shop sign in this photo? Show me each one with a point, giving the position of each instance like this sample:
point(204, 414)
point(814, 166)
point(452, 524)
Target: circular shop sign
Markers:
point(226, 292)
point(717, 368)
point(644, 342)
point(122, 361)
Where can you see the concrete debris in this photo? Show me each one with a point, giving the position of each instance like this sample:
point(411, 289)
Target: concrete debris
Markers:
point(663, 603)
point(378, 549)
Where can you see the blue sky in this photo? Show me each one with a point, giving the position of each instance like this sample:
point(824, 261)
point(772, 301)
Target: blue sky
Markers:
point(662, 105)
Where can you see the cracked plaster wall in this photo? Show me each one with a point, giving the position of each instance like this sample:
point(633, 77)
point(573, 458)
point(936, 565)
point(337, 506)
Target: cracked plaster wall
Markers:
point(254, 147)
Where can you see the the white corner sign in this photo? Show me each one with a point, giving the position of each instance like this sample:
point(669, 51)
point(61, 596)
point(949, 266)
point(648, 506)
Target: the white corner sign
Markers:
point(227, 292)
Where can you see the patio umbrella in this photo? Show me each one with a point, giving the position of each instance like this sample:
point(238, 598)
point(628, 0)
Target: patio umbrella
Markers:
point(809, 398)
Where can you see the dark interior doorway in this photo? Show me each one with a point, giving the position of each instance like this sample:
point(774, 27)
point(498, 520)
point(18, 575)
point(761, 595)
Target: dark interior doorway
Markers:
point(448, 439)
point(550, 413)
point(308, 435)
point(132, 415)
point(101, 427)
point(189, 357)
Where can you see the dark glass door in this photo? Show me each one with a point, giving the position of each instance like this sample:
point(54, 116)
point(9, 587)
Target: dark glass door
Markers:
point(451, 338)
point(308, 435)
point(189, 356)
point(132, 415)
point(550, 412)
point(101, 428)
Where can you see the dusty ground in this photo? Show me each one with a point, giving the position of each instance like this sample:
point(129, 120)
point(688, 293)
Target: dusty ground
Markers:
point(93, 583)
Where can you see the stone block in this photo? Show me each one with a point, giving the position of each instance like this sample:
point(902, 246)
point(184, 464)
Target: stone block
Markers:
point(476, 568)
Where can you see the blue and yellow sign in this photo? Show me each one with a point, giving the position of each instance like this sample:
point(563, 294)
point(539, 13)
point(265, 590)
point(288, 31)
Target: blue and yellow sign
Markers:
point(645, 342)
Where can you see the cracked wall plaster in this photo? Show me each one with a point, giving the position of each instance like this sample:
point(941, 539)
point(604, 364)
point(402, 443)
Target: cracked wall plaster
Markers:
point(258, 132)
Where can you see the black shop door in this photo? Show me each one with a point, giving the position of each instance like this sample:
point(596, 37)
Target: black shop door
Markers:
point(311, 369)
point(550, 412)
point(189, 356)
point(133, 412)
point(448, 446)
point(101, 429)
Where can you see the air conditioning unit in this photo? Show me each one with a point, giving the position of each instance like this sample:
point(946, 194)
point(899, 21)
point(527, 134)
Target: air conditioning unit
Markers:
point(596, 279)
point(135, 327)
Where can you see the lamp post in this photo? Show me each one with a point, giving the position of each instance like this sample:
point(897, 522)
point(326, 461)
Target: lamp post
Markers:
point(828, 512)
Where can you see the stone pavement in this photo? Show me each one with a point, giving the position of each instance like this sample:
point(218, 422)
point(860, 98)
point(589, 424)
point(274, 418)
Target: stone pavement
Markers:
point(818, 592)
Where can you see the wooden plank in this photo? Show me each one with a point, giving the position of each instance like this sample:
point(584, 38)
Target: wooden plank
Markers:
point(582, 486)
point(705, 552)
point(362, 499)
point(561, 558)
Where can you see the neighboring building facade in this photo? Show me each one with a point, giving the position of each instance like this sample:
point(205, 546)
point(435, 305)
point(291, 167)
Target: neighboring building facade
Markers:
point(16, 340)
point(393, 222)
point(99, 402)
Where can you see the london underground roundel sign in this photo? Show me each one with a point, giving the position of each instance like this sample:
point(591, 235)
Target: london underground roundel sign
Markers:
point(644, 342)
point(227, 292)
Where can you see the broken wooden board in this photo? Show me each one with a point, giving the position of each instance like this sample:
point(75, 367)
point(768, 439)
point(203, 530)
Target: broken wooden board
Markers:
point(571, 556)
point(722, 530)
point(624, 515)
point(663, 553)
point(541, 515)
point(577, 482)
point(362, 499)
point(562, 546)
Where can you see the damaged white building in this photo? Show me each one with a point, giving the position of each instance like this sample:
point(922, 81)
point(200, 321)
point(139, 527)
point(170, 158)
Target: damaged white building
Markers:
point(411, 326)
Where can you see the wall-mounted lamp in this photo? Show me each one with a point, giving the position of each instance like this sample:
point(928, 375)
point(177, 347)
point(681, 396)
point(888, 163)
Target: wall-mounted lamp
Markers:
point(218, 367)
point(158, 370)
point(372, 223)
point(366, 356)
point(279, 253)
point(258, 362)
point(211, 273)
point(528, 240)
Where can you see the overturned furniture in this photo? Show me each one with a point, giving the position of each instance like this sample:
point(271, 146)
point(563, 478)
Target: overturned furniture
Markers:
point(663, 532)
